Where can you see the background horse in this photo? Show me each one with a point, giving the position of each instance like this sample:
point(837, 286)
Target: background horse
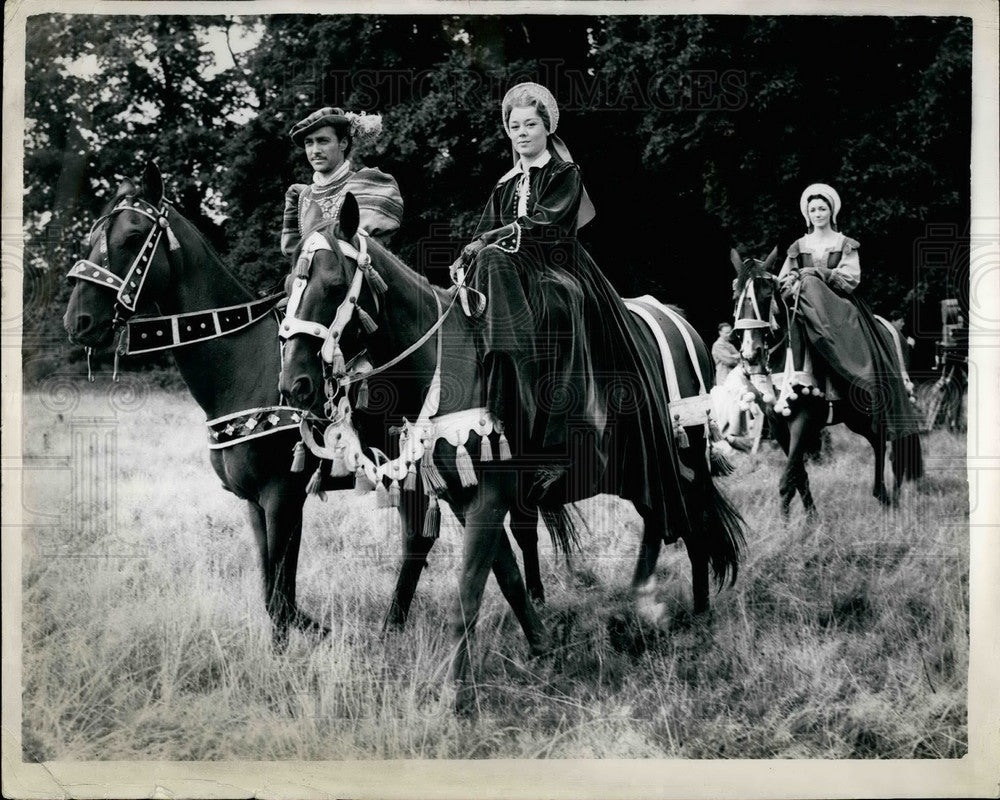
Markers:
point(802, 409)
point(233, 376)
point(408, 327)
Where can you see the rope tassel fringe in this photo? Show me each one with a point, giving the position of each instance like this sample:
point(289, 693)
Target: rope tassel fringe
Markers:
point(463, 463)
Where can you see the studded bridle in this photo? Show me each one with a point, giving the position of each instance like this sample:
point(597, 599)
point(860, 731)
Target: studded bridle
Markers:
point(128, 290)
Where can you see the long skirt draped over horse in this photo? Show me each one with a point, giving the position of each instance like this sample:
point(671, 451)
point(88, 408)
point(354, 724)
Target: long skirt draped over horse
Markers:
point(565, 362)
point(852, 346)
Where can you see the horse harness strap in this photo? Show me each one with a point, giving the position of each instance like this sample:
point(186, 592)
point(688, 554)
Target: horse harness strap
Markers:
point(242, 426)
point(347, 380)
point(150, 334)
point(292, 324)
point(758, 321)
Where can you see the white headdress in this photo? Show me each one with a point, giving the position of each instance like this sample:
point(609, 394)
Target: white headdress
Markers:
point(825, 191)
point(544, 96)
point(537, 91)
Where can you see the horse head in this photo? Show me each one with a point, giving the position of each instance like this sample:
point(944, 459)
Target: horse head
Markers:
point(759, 309)
point(324, 290)
point(127, 265)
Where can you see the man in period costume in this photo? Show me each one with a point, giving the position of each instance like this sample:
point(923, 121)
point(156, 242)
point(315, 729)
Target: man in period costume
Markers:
point(328, 136)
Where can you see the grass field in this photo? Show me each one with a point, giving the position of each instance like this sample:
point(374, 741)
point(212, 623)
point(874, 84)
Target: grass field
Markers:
point(145, 635)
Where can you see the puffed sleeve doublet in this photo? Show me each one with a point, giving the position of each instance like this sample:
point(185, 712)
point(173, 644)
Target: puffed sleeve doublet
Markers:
point(845, 275)
point(379, 200)
point(290, 218)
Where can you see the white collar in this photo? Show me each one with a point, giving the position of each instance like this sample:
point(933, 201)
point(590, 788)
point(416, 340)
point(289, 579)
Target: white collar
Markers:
point(518, 168)
point(325, 180)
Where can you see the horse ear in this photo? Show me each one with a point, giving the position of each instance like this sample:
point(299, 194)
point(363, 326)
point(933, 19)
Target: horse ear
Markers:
point(152, 183)
point(734, 256)
point(350, 216)
point(769, 261)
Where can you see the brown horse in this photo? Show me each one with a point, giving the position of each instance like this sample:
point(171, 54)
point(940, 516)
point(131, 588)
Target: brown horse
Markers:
point(145, 256)
point(797, 412)
point(413, 332)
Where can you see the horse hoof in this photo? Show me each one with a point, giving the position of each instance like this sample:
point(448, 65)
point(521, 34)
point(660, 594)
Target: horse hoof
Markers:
point(279, 641)
point(539, 650)
point(310, 627)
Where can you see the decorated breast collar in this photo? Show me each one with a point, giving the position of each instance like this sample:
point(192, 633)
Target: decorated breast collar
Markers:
point(242, 426)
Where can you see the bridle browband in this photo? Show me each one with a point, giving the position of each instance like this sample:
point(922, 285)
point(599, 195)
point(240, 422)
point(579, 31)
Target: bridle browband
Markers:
point(128, 289)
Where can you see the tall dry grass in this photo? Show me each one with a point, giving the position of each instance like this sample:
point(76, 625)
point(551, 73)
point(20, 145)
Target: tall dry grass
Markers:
point(145, 635)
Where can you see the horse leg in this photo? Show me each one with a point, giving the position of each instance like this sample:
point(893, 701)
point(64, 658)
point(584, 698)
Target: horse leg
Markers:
point(283, 513)
point(879, 492)
point(508, 577)
point(259, 525)
point(416, 546)
point(524, 528)
point(644, 576)
point(481, 542)
point(696, 543)
point(795, 478)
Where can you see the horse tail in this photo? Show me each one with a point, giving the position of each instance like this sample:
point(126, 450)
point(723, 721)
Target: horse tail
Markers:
point(562, 528)
point(721, 466)
point(725, 535)
point(907, 457)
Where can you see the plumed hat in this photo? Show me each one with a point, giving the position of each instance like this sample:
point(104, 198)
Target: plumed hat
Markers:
point(315, 121)
point(361, 126)
point(825, 191)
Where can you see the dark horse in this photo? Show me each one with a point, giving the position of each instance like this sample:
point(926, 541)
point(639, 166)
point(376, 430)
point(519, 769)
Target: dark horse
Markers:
point(798, 408)
point(412, 330)
point(233, 374)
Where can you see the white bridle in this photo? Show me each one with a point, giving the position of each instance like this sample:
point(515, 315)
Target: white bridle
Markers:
point(330, 334)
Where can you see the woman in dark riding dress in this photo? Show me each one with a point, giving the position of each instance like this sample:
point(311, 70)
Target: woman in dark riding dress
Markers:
point(819, 281)
point(562, 353)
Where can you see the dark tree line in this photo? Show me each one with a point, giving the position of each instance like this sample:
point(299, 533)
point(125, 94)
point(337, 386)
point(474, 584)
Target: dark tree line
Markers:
point(694, 134)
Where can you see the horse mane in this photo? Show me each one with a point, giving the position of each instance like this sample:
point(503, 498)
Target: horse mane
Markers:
point(202, 239)
point(328, 228)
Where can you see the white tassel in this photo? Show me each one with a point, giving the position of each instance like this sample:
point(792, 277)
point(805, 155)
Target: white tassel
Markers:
point(172, 240)
point(463, 463)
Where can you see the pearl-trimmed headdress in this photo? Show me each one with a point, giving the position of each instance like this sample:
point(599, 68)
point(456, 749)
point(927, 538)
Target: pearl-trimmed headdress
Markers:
point(540, 93)
point(586, 212)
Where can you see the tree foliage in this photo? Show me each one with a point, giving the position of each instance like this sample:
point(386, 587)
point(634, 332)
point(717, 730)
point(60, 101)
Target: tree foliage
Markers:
point(693, 133)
